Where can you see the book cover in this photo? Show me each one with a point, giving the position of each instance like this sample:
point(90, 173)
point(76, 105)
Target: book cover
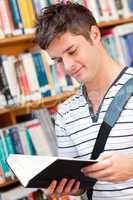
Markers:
point(39, 171)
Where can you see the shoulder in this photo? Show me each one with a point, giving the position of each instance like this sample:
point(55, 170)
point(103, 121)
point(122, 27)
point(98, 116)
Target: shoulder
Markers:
point(72, 103)
point(128, 73)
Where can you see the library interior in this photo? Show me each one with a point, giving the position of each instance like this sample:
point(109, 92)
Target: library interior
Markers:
point(32, 86)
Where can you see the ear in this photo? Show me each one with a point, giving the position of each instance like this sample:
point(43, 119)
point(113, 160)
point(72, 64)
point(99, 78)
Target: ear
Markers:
point(95, 34)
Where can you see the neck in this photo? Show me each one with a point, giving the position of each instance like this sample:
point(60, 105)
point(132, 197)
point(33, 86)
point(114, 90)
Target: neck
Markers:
point(107, 73)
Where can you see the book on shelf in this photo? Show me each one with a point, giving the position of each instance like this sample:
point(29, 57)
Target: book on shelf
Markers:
point(118, 42)
point(41, 74)
point(39, 171)
point(17, 20)
point(27, 15)
point(4, 86)
point(20, 84)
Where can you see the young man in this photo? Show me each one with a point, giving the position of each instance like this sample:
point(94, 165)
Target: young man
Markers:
point(71, 36)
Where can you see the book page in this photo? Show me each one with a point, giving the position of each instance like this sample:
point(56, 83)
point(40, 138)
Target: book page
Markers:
point(27, 166)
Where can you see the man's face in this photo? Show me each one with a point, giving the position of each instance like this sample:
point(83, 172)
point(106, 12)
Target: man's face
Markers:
point(77, 54)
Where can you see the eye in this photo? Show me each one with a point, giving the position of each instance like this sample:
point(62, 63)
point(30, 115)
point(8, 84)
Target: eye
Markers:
point(72, 52)
point(59, 60)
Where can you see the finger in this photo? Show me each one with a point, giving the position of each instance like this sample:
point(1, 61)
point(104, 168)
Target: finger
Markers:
point(106, 155)
point(76, 188)
point(100, 174)
point(61, 185)
point(69, 186)
point(108, 179)
point(51, 188)
point(97, 167)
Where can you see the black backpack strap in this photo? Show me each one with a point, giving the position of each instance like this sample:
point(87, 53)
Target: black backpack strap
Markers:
point(111, 116)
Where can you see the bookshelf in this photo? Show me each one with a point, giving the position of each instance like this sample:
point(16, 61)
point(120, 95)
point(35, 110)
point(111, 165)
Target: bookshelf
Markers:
point(8, 115)
point(14, 46)
point(7, 183)
point(103, 25)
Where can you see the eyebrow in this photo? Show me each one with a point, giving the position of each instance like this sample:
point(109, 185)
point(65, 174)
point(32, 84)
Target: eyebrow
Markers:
point(54, 58)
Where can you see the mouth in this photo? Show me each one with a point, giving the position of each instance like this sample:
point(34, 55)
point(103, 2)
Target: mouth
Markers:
point(76, 73)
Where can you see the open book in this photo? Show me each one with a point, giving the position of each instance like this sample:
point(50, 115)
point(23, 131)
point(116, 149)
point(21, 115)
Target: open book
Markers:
point(38, 171)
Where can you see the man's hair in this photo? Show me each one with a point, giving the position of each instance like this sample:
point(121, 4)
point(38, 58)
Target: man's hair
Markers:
point(60, 18)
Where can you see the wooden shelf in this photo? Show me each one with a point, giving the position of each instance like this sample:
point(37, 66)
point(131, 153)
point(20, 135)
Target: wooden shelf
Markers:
point(44, 102)
point(16, 39)
point(6, 183)
point(115, 22)
point(17, 44)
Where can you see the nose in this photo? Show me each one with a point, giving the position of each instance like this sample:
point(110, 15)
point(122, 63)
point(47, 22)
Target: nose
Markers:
point(69, 64)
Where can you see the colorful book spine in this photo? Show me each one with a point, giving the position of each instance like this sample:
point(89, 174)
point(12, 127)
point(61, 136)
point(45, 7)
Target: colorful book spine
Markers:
point(22, 79)
point(8, 142)
point(55, 78)
point(9, 69)
point(6, 23)
point(130, 5)
point(32, 149)
point(31, 75)
point(46, 58)
point(16, 140)
point(25, 15)
point(31, 12)
point(129, 38)
point(3, 156)
point(4, 85)
point(16, 17)
point(41, 74)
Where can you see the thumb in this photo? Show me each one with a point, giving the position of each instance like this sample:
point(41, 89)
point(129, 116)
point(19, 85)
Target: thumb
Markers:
point(106, 155)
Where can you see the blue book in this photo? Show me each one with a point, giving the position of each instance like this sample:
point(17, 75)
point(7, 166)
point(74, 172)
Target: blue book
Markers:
point(69, 80)
point(55, 78)
point(16, 15)
point(129, 42)
point(41, 74)
point(8, 141)
point(130, 5)
point(16, 140)
point(31, 147)
point(3, 158)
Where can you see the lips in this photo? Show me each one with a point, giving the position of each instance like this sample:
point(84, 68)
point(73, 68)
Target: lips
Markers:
point(75, 73)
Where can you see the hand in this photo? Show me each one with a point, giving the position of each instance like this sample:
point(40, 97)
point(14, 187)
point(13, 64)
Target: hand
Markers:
point(113, 167)
point(64, 187)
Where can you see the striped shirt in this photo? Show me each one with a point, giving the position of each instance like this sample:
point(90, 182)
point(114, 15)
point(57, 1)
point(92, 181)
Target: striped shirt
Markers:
point(77, 131)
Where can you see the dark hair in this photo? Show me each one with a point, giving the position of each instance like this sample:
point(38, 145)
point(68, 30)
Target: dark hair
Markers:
point(60, 18)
